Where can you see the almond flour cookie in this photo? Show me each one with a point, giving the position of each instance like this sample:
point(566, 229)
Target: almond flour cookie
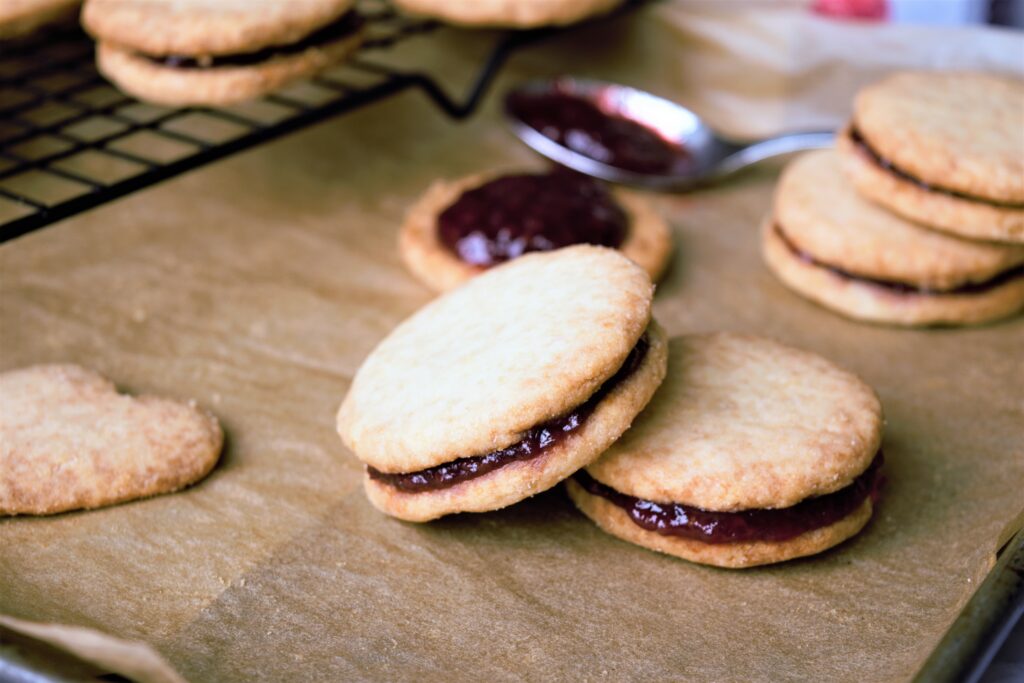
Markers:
point(197, 52)
point(943, 149)
point(832, 246)
point(460, 228)
point(68, 440)
point(502, 388)
point(509, 13)
point(750, 453)
point(21, 17)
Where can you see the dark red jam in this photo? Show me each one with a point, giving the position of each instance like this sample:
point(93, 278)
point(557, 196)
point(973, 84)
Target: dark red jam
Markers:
point(340, 28)
point(673, 519)
point(514, 214)
point(582, 126)
point(863, 145)
point(536, 442)
point(902, 287)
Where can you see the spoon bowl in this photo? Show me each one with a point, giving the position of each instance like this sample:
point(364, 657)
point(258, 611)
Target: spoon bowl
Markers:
point(705, 156)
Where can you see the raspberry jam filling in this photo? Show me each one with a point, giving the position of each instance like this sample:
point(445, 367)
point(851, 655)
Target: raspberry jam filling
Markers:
point(340, 28)
point(582, 126)
point(673, 519)
point(902, 287)
point(537, 441)
point(863, 145)
point(514, 214)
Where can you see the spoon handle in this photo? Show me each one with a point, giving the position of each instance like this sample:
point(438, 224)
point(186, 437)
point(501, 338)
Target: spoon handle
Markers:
point(782, 144)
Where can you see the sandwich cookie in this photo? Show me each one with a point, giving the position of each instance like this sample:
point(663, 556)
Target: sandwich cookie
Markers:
point(22, 17)
point(461, 228)
point(505, 386)
point(832, 246)
point(508, 13)
point(199, 52)
point(943, 149)
point(750, 453)
point(69, 440)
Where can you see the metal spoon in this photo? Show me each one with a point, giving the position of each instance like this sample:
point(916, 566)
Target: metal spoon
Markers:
point(711, 157)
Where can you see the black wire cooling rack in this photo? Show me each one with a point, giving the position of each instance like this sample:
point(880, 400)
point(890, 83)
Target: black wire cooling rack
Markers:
point(69, 141)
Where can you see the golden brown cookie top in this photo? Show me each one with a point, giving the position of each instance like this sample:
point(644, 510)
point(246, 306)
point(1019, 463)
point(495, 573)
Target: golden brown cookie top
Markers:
point(958, 131)
point(821, 214)
point(202, 27)
point(69, 440)
point(743, 422)
point(474, 369)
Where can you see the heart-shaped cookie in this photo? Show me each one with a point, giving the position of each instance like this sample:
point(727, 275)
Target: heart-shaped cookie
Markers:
point(69, 440)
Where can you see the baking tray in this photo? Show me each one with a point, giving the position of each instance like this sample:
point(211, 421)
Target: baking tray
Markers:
point(985, 615)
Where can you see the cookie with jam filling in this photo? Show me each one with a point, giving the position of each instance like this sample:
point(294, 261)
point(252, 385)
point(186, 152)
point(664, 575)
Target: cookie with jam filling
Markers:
point(829, 244)
point(460, 228)
point(750, 453)
point(504, 387)
point(196, 52)
point(943, 149)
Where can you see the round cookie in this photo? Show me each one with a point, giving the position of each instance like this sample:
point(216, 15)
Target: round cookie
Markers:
point(509, 13)
point(148, 80)
point(648, 241)
point(777, 446)
point(943, 149)
point(834, 247)
point(554, 350)
point(69, 440)
point(201, 27)
point(196, 52)
point(21, 17)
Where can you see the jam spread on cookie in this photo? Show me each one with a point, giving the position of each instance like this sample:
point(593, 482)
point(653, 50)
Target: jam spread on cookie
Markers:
point(582, 126)
point(902, 287)
point(862, 144)
point(340, 28)
point(673, 519)
point(514, 214)
point(536, 442)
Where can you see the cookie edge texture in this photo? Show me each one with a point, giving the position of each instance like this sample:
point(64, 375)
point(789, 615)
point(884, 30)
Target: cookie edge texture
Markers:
point(522, 479)
point(615, 521)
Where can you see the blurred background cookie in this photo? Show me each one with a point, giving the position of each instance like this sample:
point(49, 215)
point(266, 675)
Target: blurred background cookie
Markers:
point(502, 388)
point(460, 228)
point(69, 440)
point(22, 17)
point(834, 247)
point(508, 13)
point(199, 52)
point(750, 453)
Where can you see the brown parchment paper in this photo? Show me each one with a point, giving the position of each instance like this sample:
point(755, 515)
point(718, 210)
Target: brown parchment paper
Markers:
point(257, 285)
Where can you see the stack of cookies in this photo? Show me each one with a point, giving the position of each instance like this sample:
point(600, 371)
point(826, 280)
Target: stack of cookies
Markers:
point(743, 452)
point(917, 218)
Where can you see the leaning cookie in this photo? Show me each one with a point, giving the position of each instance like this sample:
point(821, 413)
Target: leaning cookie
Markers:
point(750, 453)
point(942, 149)
point(22, 17)
point(195, 52)
point(832, 246)
point(509, 13)
point(69, 440)
point(460, 228)
point(502, 388)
